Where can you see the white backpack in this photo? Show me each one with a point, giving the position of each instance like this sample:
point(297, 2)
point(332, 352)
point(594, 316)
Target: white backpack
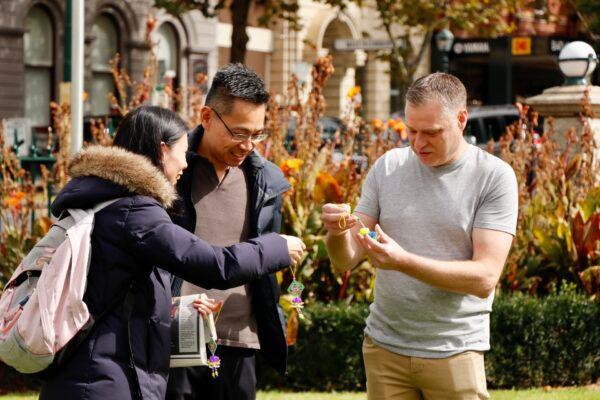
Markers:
point(42, 308)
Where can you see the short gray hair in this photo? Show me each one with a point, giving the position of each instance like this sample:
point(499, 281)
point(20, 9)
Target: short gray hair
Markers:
point(443, 88)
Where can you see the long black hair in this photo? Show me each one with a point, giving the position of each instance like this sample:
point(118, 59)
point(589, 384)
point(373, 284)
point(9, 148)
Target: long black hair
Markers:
point(142, 130)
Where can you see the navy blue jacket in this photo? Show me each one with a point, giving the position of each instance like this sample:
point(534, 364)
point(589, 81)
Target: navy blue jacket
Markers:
point(266, 184)
point(134, 238)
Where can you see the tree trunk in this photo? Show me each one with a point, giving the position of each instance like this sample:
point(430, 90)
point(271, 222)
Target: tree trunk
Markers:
point(239, 37)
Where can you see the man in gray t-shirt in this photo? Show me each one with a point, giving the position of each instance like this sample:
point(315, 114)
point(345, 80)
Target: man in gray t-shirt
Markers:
point(445, 213)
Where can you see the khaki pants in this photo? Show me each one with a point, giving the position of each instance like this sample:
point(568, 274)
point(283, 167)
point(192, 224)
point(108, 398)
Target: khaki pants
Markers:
point(391, 376)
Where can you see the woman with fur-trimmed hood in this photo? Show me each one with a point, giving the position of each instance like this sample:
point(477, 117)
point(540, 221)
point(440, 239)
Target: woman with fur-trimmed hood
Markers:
point(126, 355)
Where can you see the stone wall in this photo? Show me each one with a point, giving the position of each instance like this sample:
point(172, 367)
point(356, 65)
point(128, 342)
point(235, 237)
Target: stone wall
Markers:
point(196, 37)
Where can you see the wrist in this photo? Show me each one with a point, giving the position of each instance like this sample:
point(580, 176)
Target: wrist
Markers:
point(402, 260)
point(338, 235)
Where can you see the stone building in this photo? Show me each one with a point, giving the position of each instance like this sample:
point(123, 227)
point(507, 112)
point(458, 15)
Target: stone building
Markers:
point(33, 48)
point(34, 51)
point(323, 28)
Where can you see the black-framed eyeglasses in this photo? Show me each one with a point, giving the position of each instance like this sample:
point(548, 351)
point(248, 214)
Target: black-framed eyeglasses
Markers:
point(258, 136)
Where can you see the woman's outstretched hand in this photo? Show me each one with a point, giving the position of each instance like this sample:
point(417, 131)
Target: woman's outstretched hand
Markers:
point(296, 248)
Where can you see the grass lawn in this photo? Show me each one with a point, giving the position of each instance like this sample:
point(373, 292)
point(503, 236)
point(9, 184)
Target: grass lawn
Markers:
point(533, 394)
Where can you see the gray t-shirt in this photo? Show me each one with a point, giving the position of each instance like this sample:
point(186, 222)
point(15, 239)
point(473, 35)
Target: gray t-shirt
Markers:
point(430, 212)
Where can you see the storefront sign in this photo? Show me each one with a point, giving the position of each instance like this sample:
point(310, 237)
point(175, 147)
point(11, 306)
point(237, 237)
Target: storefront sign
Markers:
point(362, 44)
point(556, 45)
point(470, 48)
point(521, 46)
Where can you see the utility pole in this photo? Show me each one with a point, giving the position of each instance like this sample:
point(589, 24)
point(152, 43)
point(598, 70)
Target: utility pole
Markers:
point(77, 65)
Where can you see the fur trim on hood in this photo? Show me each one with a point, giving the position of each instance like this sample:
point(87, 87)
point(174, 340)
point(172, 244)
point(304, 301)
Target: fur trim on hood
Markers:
point(133, 171)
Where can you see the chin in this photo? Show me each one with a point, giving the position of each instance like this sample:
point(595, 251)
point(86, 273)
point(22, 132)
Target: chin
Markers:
point(235, 161)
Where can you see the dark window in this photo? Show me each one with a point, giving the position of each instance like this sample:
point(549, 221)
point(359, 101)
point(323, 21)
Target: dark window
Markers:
point(39, 65)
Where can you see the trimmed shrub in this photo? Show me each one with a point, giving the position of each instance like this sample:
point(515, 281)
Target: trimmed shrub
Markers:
point(328, 353)
point(554, 340)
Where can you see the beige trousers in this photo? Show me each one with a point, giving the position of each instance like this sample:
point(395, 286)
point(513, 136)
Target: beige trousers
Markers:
point(391, 376)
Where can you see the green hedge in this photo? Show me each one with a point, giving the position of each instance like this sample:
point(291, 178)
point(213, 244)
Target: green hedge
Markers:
point(554, 340)
point(327, 355)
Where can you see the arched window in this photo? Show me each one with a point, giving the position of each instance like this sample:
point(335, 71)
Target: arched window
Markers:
point(167, 53)
point(39, 65)
point(104, 48)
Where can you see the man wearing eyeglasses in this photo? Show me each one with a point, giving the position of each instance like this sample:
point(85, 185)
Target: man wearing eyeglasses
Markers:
point(229, 193)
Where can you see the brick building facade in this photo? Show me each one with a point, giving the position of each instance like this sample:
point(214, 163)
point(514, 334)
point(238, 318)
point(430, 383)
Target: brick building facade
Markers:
point(32, 50)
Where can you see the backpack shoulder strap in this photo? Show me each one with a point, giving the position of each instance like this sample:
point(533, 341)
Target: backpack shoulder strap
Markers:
point(79, 214)
point(105, 204)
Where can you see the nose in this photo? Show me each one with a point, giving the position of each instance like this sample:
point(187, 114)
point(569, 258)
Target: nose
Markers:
point(419, 141)
point(247, 145)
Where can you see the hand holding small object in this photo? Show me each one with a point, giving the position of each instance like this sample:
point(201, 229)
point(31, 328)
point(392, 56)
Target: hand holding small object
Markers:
point(296, 248)
point(337, 218)
point(207, 306)
point(383, 251)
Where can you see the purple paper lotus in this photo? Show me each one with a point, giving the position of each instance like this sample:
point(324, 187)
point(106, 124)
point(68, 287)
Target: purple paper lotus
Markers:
point(214, 359)
point(296, 300)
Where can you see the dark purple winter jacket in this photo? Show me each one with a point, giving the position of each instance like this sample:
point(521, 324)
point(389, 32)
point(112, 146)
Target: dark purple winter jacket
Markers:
point(134, 239)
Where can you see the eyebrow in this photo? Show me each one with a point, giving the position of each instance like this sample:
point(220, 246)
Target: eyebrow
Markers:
point(428, 131)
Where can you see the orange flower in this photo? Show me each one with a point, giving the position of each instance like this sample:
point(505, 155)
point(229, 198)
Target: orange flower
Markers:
point(327, 189)
point(150, 24)
point(377, 124)
point(19, 195)
point(290, 166)
point(399, 126)
point(391, 122)
point(14, 201)
point(353, 91)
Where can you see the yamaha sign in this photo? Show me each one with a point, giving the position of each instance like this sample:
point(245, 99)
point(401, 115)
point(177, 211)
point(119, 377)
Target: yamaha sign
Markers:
point(471, 48)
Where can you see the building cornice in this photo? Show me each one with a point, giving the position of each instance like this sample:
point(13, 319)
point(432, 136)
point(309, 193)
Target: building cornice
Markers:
point(11, 31)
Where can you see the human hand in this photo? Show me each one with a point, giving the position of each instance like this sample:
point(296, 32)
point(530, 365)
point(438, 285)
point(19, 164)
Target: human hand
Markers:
point(337, 218)
point(296, 248)
point(384, 252)
point(206, 306)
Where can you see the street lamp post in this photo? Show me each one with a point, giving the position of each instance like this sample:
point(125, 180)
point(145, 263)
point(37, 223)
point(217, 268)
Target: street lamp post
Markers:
point(577, 60)
point(444, 40)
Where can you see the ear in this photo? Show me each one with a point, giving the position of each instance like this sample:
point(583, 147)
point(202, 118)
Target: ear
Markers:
point(463, 117)
point(205, 116)
point(163, 149)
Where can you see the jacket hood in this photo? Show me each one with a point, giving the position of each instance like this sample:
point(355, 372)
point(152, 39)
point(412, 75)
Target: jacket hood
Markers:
point(101, 173)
